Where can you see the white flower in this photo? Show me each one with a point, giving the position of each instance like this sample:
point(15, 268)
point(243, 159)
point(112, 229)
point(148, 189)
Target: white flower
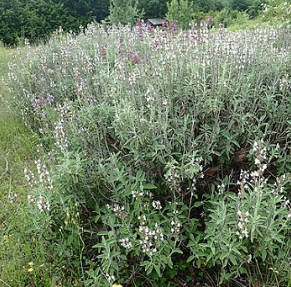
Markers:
point(125, 243)
point(157, 204)
point(12, 197)
point(264, 167)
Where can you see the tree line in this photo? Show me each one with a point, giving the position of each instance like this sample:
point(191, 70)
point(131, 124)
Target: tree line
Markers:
point(37, 19)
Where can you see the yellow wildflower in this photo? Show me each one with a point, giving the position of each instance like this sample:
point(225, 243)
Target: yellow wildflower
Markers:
point(30, 270)
point(30, 264)
point(115, 285)
point(6, 238)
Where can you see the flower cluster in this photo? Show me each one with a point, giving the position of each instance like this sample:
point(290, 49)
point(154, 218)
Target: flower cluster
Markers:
point(118, 210)
point(140, 28)
point(149, 238)
point(65, 111)
point(43, 180)
point(142, 219)
point(110, 278)
point(137, 194)
point(103, 53)
point(31, 199)
point(125, 242)
point(243, 182)
point(44, 174)
point(174, 179)
point(29, 175)
point(260, 157)
point(61, 141)
point(285, 84)
point(242, 224)
point(261, 154)
point(12, 197)
point(81, 84)
point(39, 102)
point(157, 204)
point(280, 182)
point(175, 227)
point(221, 188)
point(42, 204)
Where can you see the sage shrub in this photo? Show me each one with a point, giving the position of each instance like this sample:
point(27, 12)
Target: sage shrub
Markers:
point(157, 141)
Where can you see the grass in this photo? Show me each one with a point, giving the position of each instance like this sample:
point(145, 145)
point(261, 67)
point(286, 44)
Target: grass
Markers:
point(17, 147)
point(5, 56)
point(24, 256)
point(17, 143)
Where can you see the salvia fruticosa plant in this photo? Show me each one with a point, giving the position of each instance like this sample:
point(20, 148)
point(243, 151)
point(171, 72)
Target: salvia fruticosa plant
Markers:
point(165, 146)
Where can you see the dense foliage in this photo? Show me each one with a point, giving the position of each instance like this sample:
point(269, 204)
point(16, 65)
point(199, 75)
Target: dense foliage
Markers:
point(169, 158)
point(123, 12)
point(35, 20)
point(277, 11)
point(181, 11)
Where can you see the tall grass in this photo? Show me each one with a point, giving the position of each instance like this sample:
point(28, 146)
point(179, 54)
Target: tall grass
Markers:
point(4, 59)
point(151, 141)
point(16, 142)
point(21, 250)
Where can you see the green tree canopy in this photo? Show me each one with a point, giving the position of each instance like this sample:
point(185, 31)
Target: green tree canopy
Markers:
point(153, 8)
point(123, 11)
point(11, 20)
point(33, 19)
point(87, 9)
point(240, 5)
point(182, 11)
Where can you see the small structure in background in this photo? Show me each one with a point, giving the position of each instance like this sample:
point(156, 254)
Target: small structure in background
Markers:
point(156, 22)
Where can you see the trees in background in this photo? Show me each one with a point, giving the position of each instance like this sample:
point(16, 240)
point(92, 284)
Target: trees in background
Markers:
point(87, 9)
point(182, 11)
point(34, 19)
point(10, 20)
point(252, 7)
point(37, 19)
point(256, 8)
point(123, 11)
point(41, 17)
point(240, 5)
point(153, 8)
